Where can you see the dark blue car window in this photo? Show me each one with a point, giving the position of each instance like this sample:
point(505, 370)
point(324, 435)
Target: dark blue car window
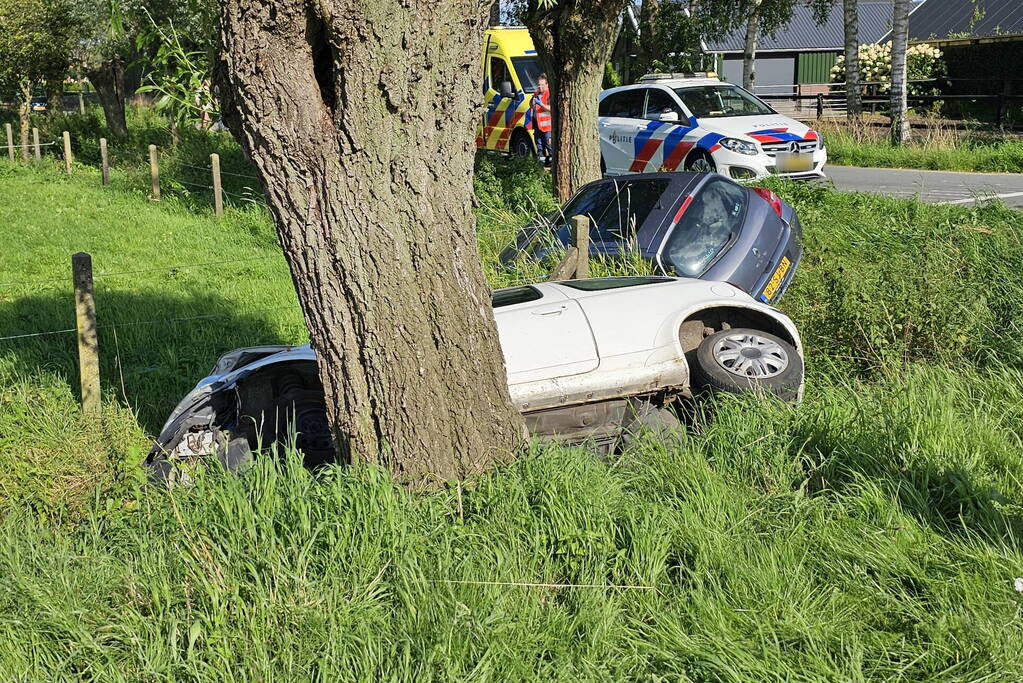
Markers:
point(616, 208)
point(514, 295)
point(715, 215)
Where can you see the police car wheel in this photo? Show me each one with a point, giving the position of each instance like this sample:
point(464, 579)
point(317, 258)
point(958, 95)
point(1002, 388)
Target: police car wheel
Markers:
point(700, 162)
point(522, 147)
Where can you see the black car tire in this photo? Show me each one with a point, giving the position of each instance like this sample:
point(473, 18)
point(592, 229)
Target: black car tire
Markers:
point(710, 375)
point(522, 146)
point(697, 156)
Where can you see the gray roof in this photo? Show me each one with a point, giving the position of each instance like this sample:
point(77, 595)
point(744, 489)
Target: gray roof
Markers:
point(803, 32)
point(962, 18)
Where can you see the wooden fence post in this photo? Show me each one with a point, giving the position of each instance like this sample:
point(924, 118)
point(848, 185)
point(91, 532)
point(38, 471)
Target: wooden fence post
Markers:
point(10, 141)
point(81, 100)
point(581, 241)
point(35, 143)
point(820, 105)
point(154, 174)
point(67, 152)
point(88, 345)
point(104, 162)
point(218, 193)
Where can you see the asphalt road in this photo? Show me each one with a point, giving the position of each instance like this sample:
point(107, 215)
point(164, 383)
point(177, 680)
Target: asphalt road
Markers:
point(935, 187)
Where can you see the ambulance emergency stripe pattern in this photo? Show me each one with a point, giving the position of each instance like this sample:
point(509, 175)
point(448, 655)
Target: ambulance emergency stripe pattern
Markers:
point(510, 113)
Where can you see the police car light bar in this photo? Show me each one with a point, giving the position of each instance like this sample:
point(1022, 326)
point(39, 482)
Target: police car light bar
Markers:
point(675, 76)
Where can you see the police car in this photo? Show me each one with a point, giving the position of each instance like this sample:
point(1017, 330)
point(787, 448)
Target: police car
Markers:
point(669, 122)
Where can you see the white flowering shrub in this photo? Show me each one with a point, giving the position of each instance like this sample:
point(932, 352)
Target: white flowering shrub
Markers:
point(922, 61)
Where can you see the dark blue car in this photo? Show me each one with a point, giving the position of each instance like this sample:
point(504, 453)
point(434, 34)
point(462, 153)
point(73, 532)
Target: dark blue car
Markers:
point(699, 225)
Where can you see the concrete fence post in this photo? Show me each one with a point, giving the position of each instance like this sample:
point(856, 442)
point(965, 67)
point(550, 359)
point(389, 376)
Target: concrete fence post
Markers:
point(104, 161)
point(218, 192)
point(88, 344)
point(10, 141)
point(67, 152)
point(154, 174)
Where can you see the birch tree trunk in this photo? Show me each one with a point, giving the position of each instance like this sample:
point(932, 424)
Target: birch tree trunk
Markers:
point(359, 118)
point(749, 54)
point(854, 103)
point(574, 39)
point(900, 43)
point(24, 116)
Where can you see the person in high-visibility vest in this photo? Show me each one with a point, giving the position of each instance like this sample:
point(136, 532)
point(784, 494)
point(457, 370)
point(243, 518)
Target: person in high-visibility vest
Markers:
point(541, 106)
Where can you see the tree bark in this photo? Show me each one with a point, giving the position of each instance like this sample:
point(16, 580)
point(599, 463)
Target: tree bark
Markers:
point(650, 46)
point(359, 118)
point(574, 39)
point(108, 80)
point(55, 98)
point(900, 43)
point(749, 54)
point(25, 116)
point(853, 101)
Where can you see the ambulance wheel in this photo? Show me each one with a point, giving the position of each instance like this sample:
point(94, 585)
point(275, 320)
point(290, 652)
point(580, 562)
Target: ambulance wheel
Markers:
point(522, 146)
point(700, 162)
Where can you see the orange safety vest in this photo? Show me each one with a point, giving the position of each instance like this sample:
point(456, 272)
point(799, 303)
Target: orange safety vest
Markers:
point(542, 117)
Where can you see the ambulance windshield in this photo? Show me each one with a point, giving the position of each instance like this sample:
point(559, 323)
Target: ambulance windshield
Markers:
point(529, 70)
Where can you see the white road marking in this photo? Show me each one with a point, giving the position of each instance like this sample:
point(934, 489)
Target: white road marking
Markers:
point(1007, 195)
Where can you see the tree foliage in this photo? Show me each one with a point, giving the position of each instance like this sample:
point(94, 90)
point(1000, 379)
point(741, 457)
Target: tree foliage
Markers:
point(35, 43)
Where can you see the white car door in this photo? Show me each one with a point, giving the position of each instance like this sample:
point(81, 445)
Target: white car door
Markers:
point(621, 119)
point(544, 334)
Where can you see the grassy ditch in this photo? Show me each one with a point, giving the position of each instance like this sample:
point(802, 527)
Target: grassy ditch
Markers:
point(937, 147)
point(871, 532)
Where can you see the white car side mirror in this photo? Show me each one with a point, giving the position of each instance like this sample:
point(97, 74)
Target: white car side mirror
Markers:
point(668, 117)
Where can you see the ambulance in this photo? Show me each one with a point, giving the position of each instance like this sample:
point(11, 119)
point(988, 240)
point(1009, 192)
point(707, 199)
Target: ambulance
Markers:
point(511, 68)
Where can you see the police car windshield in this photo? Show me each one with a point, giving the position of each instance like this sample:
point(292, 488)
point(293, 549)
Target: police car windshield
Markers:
point(719, 101)
point(529, 70)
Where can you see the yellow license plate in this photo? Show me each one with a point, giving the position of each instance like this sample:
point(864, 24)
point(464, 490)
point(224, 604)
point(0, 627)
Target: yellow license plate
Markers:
point(787, 162)
point(776, 279)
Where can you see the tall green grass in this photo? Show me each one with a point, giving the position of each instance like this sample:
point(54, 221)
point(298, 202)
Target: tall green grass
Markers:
point(936, 147)
point(872, 532)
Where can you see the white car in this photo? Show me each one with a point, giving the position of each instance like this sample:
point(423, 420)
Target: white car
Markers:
point(667, 123)
point(585, 360)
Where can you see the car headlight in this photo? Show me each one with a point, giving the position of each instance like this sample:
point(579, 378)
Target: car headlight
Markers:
point(740, 146)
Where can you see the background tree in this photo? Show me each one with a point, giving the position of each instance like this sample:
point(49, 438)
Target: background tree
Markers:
point(574, 39)
point(761, 16)
point(359, 118)
point(851, 22)
point(900, 43)
point(35, 43)
point(669, 36)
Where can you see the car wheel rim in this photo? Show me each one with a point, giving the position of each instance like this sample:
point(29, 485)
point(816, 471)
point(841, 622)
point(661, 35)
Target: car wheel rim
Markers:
point(703, 165)
point(750, 355)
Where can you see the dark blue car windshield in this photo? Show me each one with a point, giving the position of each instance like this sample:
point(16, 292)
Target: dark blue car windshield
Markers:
point(715, 215)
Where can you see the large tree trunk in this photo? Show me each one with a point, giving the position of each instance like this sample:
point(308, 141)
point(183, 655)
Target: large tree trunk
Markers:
point(359, 118)
point(55, 97)
point(749, 54)
point(25, 116)
point(574, 39)
point(650, 46)
point(108, 80)
point(900, 43)
point(853, 101)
